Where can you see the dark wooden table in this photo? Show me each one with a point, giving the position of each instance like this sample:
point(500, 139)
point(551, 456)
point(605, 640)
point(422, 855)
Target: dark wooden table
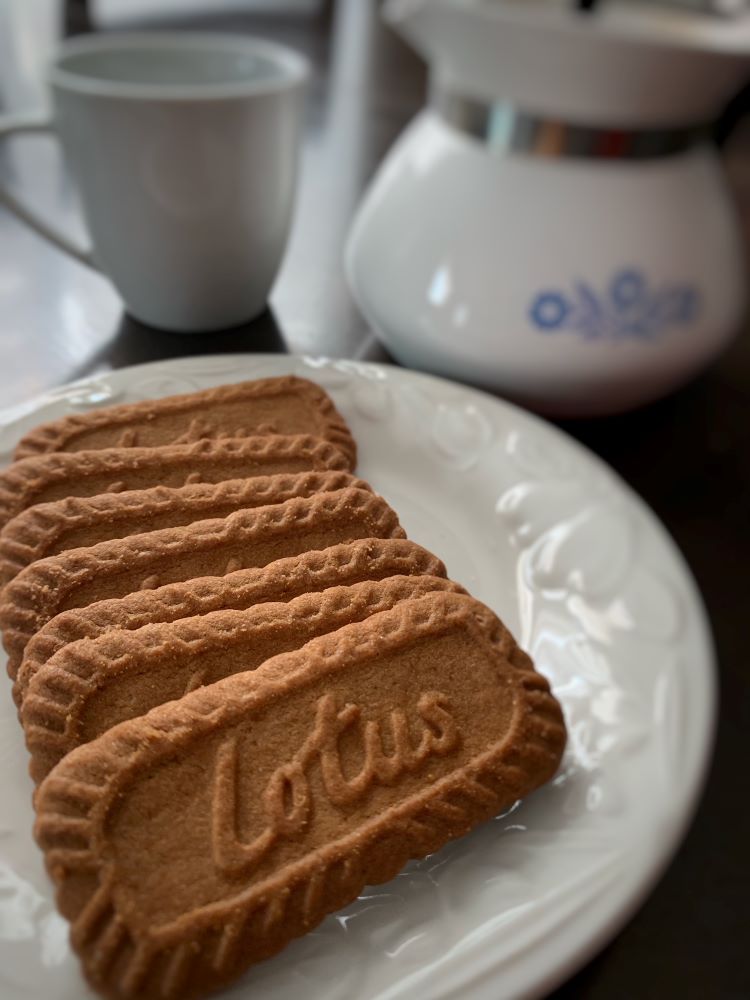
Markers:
point(688, 456)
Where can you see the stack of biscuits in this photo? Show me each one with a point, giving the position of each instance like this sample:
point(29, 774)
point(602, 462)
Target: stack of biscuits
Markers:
point(245, 693)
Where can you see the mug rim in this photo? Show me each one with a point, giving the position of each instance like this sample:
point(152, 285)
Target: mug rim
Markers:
point(293, 68)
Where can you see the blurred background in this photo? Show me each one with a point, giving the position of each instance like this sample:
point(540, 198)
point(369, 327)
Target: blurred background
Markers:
point(366, 86)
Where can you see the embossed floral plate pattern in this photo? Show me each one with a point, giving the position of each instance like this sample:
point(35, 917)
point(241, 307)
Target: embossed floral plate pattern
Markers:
point(592, 586)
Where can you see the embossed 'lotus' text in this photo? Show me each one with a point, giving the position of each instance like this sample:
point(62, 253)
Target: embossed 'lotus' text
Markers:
point(286, 802)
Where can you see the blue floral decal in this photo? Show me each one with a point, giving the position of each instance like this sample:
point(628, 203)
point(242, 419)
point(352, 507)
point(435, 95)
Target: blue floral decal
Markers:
point(629, 308)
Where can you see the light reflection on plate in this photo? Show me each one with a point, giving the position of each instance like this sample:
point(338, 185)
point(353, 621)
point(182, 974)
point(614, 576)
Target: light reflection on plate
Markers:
point(582, 571)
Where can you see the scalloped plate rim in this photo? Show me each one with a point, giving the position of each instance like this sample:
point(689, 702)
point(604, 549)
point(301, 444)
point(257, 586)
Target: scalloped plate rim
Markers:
point(545, 975)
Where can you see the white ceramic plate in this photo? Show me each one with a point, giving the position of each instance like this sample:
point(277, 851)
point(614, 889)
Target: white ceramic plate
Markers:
point(579, 568)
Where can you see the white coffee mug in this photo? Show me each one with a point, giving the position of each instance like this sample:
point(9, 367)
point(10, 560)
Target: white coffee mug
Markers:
point(184, 147)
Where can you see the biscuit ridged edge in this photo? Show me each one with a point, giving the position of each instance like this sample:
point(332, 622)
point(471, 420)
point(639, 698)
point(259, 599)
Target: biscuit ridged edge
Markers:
point(49, 714)
point(24, 477)
point(199, 596)
point(54, 435)
point(27, 536)
point(37, 588)
point(71, 802)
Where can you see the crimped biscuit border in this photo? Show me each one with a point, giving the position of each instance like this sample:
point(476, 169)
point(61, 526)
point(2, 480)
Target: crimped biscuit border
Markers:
point(59, 691)
point(56, 434)
point(31, 598)
point(72, 807)
point(29, 535)
point(25, 478)
point(395, 556)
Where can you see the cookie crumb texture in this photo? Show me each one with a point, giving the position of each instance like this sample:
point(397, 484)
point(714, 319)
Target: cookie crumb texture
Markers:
point(56, 476)
point(46, 529)
point(214, 547)
point(282, 580)
point(246, 694)
point(286, 405)
point(202, 837)
point(94, 684)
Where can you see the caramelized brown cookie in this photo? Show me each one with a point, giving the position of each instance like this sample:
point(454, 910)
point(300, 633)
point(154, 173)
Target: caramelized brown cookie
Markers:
point(281, 580)
point(83, 474)
point(286, 405)
point(49, 528)
point(193, 841)
point(244, 539)
point(92, 685)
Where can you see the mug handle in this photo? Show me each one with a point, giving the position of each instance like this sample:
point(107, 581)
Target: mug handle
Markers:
point(38, 123)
